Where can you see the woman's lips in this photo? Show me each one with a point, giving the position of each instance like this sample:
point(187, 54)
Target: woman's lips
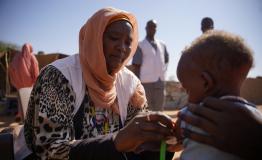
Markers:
point(117, 58)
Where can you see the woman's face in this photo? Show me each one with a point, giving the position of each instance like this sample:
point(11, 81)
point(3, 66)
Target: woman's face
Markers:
point(117, 40)
point(27, 48)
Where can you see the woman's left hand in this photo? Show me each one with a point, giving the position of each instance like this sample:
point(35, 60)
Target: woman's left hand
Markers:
point(145, 127)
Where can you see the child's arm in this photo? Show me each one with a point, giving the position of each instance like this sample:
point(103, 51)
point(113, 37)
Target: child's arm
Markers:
point(175, 143)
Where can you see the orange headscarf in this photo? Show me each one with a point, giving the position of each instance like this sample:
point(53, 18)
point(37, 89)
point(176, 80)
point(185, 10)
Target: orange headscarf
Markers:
point(24, 68)
point(100, 84)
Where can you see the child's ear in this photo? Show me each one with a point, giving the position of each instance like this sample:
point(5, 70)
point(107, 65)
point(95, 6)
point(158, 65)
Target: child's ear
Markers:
point(208, 81)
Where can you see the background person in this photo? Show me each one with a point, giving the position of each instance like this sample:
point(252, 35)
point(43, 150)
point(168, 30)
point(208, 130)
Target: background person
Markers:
point(207, 24)
point(23, 72)
point(150, 63)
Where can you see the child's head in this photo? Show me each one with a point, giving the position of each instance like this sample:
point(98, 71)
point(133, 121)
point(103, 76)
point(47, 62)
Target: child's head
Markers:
point(215, 64)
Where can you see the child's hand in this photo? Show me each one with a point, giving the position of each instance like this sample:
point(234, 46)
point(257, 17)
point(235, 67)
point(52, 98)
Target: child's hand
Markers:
point(174, 143)
point(175, 148)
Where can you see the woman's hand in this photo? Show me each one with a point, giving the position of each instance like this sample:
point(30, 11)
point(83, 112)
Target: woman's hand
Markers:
point(231, 127)
point(145, 127)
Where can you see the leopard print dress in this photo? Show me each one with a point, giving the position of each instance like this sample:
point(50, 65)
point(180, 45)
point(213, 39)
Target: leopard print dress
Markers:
point(50, 127)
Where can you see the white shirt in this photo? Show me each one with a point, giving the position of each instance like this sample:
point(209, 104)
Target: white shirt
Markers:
point(153, 66)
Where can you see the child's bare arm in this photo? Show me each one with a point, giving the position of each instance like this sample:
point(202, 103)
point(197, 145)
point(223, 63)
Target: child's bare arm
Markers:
point(175, 143)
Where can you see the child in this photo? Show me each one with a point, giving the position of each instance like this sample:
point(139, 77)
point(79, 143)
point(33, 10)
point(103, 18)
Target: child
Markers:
point(215, 64)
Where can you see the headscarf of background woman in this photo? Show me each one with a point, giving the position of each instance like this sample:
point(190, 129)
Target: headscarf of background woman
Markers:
point(23, 70)
point(100, 84)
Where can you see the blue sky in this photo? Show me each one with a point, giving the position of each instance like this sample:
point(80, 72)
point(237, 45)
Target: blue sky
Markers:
point(53, 25)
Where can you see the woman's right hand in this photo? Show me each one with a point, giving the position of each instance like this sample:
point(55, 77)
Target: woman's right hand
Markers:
point(145, 127)
point(231, 127)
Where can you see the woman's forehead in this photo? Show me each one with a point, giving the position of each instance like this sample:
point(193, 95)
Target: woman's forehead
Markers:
point(120, 26)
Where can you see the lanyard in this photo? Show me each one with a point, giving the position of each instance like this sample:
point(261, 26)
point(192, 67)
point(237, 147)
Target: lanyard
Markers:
point(163, 150)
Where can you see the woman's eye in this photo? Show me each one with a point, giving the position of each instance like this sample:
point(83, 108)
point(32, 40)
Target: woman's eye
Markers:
point(113, 38)
point(128, 42)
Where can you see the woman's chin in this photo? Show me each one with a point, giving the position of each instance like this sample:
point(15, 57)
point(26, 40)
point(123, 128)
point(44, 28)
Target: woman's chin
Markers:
point(114, 70)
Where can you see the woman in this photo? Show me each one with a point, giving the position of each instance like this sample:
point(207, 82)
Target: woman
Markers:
point(88, 106)
point(24, 69)
point(23, 72)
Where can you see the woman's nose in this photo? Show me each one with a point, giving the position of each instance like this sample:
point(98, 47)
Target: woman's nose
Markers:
point(122, 47)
